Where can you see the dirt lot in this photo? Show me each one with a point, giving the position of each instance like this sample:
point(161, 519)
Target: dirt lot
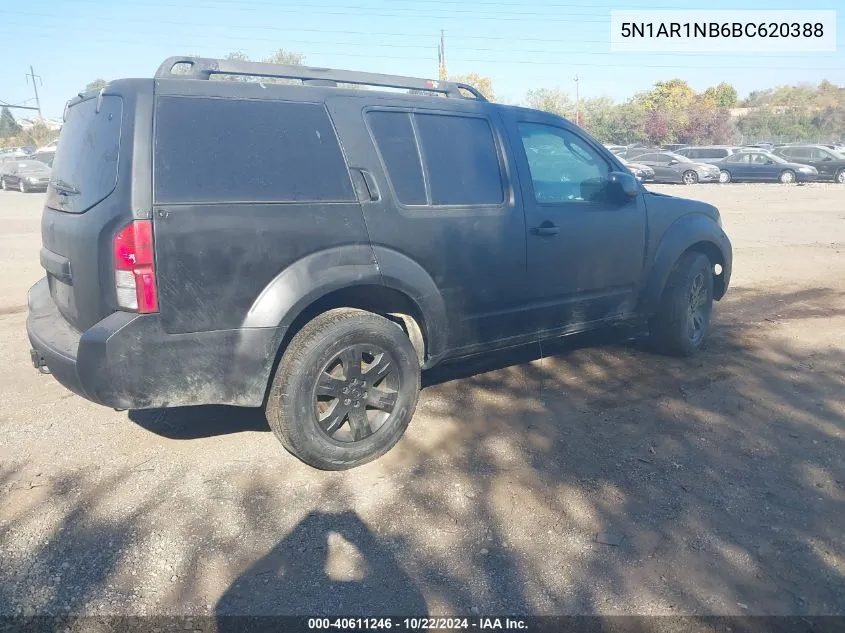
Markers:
point(723, 476)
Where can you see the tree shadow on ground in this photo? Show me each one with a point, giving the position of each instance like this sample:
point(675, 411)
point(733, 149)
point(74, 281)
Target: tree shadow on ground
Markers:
point(717, 484)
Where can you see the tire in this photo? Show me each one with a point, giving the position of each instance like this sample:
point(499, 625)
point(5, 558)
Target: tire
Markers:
point(312, 382)
point(840, 177)
point(787, 177)
point(690, 178)
point(3, 184)
point(22, 187)
point(682, 321)
point(724, 176)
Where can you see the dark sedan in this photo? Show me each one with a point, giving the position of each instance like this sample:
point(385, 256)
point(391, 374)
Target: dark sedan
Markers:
point(829, 163)
point(643, 173)
point(763, 167)
point(24, 175)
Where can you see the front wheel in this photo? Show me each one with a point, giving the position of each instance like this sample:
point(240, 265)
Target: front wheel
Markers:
point(787, 177)
point(690, 177)
point(682, 321)
point(22, 186)
point(840, 177)
point(345, 389)
point(3, 184)
point(724, 176)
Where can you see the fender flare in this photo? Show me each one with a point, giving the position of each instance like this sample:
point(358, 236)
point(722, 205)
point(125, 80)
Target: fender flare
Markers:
point(316, 275)
point(685, 232)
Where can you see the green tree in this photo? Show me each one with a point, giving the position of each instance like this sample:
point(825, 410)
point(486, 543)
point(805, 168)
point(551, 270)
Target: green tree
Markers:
point(552, 100)
point(8, 126)
point(483, 84)
point(97, 84)
point(723, 96)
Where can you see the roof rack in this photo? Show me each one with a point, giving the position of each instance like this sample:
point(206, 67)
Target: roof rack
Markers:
point(204, 68)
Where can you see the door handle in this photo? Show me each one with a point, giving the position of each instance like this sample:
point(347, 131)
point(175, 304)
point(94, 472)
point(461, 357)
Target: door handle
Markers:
point(545, 230)
point(365, 185)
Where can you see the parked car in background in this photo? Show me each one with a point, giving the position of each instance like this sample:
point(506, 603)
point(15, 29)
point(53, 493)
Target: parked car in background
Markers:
point(763, 167)
point(49, 147)
point(674, 168)
point(45, 157)
point(708, 153)
point(643, 173)
point(828, 162)
point(14, 152)
point(637, 150)
point(616, 149)
point(24, 175)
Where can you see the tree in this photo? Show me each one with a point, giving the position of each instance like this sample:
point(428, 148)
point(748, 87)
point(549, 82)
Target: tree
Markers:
point(552, 100)
point(285, 57)
point(97, 84)
point(483, 84)
point(723, 96)
point(8, 126)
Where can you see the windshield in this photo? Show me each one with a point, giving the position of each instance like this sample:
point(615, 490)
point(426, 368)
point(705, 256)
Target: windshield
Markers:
point(32, 166)
point(85, 166)
point(679, 158)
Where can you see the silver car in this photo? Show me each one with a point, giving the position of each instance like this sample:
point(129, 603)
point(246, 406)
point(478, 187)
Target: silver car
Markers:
point(674, 168)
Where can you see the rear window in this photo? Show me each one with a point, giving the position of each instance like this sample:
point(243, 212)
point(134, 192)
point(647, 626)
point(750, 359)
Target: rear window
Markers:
point(227, 150)
point(85, 166)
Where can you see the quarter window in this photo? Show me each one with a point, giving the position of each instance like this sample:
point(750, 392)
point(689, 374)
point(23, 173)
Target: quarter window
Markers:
point(227, 150)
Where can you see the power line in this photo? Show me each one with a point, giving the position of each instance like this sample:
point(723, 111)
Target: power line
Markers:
point(218, 47)
point(579, 51)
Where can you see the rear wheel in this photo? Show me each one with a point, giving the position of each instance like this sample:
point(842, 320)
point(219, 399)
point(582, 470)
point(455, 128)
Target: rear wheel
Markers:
point(787, 177)
point(724, 176)
point(345, 389)
point(840, 177)
point(683, 318)
point(22, 186)
point(690, 177)
point(3, 184)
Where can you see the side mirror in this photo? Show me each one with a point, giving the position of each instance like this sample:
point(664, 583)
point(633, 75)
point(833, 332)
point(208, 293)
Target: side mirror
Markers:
point(624, 184)
point(770, 162)
point(673, 162)
point(827, 158)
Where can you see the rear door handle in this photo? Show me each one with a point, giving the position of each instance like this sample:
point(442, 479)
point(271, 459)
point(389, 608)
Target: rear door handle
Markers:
point(546, 230)
point(365, 185)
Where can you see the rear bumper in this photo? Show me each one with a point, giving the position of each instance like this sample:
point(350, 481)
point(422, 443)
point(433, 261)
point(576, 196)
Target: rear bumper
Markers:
point(127, 361)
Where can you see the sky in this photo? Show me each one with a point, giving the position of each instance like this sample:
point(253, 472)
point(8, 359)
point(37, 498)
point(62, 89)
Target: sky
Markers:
point(519, 44)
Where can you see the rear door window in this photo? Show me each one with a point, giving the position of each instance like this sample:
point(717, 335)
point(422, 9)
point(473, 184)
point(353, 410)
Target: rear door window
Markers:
point(461, 160)
point(235, 150)
point(85, 166)
point(394, 137)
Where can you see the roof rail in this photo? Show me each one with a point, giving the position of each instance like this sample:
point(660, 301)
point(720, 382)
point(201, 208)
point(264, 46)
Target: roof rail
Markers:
point(204, 68)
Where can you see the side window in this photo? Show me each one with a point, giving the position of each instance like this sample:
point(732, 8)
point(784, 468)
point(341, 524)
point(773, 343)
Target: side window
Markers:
point(692, 153)
point(228, 150)
point(759, 159)
point(394, 137)
point(564, 168)
point(460, 159)
point(718, 153)
point(738, 158)
point(800, 152)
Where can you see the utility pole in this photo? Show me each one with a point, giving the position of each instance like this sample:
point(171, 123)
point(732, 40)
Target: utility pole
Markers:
point(441, 58)
point(35, 88)
point(577, 100)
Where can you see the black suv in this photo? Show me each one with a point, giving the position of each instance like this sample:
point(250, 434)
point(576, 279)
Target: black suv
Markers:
point(829, 163)
point(311, 248)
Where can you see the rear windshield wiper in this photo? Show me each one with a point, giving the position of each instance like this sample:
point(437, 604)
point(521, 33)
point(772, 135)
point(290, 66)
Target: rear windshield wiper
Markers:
point(64, 188)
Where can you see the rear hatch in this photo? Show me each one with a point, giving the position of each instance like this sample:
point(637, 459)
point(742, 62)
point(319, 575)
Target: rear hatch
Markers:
point(88, 200)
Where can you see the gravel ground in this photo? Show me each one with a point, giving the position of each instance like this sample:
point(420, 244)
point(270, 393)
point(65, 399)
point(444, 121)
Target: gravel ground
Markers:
point(594, 478)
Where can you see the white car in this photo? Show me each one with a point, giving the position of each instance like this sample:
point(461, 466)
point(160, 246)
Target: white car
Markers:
point(49, 147)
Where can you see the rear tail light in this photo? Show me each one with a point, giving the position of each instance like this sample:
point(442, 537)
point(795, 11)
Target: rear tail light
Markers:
point(134, 267)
